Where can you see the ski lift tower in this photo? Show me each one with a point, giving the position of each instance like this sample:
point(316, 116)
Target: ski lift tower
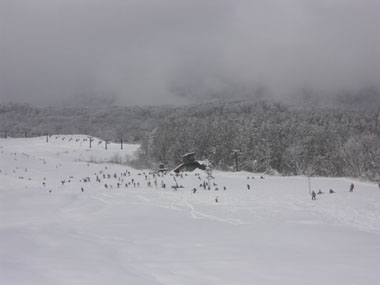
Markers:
point(267, 156)
point(309, 174)
point(235, 152)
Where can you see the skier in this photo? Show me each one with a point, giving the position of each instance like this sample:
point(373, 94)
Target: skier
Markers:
point(320, 192)
point(82, 189)
point(352, 187)
point(216, 199)
point(331, 191)
point(248, 186)
point(313, 196)
point(194, 190)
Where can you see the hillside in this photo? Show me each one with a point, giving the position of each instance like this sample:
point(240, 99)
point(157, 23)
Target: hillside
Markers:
point(267, 135)
point(52, 232)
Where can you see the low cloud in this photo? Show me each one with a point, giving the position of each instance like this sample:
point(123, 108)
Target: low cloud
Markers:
point(172, 52)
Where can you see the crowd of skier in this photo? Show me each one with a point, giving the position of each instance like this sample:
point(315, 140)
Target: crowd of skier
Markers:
point(158, 180)
point(151, 179)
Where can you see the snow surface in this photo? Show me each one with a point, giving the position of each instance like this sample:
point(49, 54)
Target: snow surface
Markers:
point(271, 234)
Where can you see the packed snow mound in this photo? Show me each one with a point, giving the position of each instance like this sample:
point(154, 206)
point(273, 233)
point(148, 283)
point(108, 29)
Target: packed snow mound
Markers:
point(66, 218)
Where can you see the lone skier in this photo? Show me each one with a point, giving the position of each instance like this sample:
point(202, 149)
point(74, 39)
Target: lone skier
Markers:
point(313, 195)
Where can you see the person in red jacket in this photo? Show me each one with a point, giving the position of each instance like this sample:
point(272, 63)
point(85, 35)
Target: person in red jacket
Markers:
point(352, 187)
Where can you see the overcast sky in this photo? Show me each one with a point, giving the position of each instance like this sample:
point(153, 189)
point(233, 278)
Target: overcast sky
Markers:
point(171, 51)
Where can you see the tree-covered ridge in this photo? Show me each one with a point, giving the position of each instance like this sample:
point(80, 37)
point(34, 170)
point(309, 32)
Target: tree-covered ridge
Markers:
point(131, 123)
point(268, 135)
point(271, 136)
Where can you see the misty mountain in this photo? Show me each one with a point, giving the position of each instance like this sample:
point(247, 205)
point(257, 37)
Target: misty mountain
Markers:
point(130, 123)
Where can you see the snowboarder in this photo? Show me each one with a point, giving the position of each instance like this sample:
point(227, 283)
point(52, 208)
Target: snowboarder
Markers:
point(194, 190)
point(331, 191)
point(320, 192)
point(313, 196)
point(352, 187)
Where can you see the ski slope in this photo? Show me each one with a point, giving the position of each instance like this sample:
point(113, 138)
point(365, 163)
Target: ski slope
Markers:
point(53, 233)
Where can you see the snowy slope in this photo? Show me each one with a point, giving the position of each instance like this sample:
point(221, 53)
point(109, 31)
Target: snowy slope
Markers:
point(53, 233)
